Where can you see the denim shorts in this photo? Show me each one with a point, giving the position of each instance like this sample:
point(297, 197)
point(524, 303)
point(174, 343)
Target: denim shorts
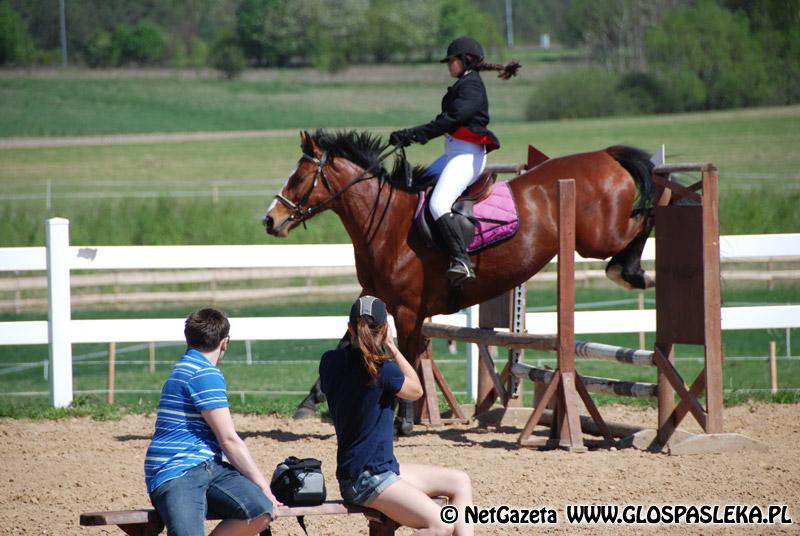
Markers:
point(212, 488)
point(366, 487)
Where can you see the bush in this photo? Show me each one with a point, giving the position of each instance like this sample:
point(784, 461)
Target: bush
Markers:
point(587, 92)
point(100, 50)
point(46, 57)
point(16, 43)
point(143, 44)
point(226, 55)
point(675, 91)
point(193, 54)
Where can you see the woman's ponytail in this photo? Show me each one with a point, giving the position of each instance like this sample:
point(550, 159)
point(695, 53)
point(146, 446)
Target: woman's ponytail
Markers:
point(369, 342)
point(506, 71)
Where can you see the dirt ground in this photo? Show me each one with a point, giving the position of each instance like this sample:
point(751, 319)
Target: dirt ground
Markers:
point(54, 470)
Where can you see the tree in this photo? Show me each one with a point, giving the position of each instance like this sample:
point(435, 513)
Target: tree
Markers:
point(716, 46)
point(265, 31)
point(16, 45)
point(400, 30)
point(776, 25)
point(462, 17)
point(614, 30)
point(143, 44)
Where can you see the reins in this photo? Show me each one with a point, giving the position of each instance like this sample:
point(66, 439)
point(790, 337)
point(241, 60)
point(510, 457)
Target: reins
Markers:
point(301, 214)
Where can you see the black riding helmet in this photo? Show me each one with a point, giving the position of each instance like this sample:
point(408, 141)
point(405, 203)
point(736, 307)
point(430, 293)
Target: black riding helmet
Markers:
point(462, 46)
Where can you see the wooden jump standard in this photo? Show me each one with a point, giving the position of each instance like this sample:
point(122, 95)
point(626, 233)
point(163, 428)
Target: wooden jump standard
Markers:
point(687, 311)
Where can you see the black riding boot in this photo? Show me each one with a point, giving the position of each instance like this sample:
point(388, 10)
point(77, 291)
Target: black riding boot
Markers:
point(460, 266)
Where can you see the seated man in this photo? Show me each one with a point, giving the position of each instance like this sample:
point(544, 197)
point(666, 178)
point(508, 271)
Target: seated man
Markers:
point(184, 471)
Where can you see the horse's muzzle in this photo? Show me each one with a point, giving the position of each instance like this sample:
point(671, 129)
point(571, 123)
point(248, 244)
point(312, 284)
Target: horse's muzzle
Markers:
point(271, 228)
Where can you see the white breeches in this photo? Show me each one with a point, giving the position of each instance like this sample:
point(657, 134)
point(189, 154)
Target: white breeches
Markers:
point(459, 166)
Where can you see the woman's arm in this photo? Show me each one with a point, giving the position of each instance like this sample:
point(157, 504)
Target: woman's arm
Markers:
point(468, 101)
point(412, 388)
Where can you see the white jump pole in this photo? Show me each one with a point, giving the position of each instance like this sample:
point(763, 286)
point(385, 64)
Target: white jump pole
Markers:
point(473, 315)
point(59, 312)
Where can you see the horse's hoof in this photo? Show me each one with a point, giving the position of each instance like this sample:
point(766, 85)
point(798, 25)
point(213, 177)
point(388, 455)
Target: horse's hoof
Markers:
point(614, 273)
point(304, 413)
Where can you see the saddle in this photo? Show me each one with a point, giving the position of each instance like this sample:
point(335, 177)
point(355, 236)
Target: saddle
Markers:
point(480, 189)
point(485, 214)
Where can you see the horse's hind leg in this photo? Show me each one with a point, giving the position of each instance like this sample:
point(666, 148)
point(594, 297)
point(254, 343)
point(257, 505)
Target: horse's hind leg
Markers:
point(625, 268)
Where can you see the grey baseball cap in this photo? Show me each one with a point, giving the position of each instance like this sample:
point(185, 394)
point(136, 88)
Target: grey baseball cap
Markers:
point(371, 309)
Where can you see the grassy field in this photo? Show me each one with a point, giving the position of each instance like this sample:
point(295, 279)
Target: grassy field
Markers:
point(754, 149)
point(290, 366)
point(78, 107)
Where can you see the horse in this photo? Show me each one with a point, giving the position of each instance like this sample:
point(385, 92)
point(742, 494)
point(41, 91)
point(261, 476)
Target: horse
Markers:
point(344, 172)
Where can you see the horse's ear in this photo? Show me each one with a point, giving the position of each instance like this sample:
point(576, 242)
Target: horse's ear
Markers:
point(309, 144)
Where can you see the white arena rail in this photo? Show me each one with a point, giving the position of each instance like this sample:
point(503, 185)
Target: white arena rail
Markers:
point(58, 258)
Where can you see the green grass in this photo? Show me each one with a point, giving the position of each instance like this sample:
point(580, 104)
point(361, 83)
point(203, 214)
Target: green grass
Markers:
point(754, 150)
point(61, 107)
point(275, 367)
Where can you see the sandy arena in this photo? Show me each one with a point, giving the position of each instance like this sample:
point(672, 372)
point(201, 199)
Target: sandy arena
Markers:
point(54, 470)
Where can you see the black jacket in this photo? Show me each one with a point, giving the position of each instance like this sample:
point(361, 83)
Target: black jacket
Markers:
point(464, 105)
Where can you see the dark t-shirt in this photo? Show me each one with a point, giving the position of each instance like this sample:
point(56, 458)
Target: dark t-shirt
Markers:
point(361, 411)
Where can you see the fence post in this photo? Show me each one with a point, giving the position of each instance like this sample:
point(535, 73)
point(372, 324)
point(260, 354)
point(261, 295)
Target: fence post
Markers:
point(472, 355)
point(59, 312)
point(152, 357)
point(112, 365)
point(773, 367)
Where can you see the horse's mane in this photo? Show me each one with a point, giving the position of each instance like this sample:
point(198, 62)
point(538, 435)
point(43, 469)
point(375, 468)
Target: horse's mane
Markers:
point(365, 150)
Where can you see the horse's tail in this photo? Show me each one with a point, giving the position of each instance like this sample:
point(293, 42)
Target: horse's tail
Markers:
point(637, 162)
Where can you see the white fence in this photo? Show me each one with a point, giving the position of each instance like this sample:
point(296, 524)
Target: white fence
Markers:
point(58, 258)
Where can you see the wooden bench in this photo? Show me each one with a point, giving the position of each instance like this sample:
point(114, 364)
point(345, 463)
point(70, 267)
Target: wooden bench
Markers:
point(146, 522)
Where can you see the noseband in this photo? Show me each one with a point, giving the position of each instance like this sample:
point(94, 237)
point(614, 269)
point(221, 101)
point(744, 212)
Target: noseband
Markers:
point(300, 213)
point(298, 210)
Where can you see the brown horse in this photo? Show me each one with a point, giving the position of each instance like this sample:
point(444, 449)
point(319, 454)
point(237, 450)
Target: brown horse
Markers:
point(344, 172)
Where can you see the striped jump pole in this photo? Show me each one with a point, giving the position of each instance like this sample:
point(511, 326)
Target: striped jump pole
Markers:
point(593, 384)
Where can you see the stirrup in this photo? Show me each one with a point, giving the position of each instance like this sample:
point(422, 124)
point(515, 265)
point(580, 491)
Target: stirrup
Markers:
point(459, 271)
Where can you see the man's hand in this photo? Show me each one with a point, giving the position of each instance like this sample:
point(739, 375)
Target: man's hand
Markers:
point(275, 502)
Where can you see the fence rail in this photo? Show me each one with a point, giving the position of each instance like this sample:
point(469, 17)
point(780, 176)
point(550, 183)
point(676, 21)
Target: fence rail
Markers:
point(60, 331)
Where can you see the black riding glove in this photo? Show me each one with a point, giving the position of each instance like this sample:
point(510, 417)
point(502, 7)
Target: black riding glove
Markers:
point(401, 138)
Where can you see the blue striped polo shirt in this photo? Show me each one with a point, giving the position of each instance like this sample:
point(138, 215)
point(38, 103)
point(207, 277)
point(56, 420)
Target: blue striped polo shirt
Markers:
point(182, 438)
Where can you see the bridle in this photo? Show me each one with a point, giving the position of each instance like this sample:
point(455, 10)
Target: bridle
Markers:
point(298, 210)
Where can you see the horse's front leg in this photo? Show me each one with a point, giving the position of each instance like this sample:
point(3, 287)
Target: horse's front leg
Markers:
point(409, 342)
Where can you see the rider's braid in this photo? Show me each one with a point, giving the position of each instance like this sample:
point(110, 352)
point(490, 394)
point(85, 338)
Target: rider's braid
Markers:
point(506, 71)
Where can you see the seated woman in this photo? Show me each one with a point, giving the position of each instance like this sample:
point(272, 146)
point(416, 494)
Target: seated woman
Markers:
point(360, 382)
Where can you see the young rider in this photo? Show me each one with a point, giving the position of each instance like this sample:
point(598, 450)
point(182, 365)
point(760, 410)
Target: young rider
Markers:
point(463, 122)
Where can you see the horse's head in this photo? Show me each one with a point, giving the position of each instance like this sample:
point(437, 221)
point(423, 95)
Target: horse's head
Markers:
point(307, 191)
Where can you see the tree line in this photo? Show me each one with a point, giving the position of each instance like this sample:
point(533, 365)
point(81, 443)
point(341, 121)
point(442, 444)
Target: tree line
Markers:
point(642, 56)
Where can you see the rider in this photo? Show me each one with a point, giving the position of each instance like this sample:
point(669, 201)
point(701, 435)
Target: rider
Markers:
point(463, 121)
